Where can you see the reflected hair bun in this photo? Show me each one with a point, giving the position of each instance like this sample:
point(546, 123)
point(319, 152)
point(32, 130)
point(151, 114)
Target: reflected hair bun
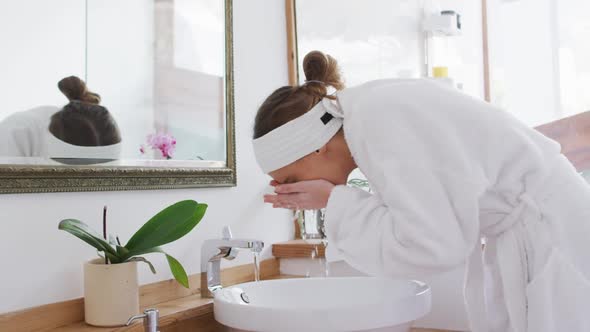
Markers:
point(76, 90)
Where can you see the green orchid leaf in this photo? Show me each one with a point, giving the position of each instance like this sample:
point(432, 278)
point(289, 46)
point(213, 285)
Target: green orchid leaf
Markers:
point(142, 252)
point(141, 259)
point(122, 252)
point(175, 267)
point(113, 259)
point(86, 234)
point(167, 226)
point(177, 271)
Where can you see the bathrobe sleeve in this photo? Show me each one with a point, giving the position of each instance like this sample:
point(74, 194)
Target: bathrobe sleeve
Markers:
point(17, 136)
point(423, 214)
point(423, 223)
point(22, 134)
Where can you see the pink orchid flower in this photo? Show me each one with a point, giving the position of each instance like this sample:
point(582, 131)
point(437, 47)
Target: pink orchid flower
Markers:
point(165, 143)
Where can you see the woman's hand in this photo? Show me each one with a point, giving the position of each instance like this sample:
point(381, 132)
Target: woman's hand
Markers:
point(305, 195)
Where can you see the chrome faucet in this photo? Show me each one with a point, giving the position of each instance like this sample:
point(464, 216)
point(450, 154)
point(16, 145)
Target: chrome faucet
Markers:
point(213, 251)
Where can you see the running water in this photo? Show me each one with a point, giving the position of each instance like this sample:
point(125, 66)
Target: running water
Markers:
point(325, 260)
point(256, 266)
point(309, 267)
point(319, 266)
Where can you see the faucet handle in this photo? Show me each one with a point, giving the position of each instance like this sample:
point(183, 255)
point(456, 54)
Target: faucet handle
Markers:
point(226, 233)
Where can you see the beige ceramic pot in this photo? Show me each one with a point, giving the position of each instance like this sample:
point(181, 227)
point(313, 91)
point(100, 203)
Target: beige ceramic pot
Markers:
point(111, 292)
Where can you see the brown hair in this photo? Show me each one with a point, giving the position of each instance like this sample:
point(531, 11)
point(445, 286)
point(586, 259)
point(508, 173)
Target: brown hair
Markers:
point(83, 121)
point(290, 102)
point(75, 89)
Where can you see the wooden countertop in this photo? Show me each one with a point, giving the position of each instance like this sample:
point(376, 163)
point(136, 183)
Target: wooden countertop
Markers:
point(171, 312)
point(299, 249)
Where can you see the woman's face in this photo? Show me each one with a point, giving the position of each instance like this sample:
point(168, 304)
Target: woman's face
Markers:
point(309, 168)
point(332, 163)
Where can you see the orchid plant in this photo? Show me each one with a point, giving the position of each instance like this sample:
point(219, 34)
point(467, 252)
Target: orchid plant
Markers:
point(165, 143)
point(167, 226)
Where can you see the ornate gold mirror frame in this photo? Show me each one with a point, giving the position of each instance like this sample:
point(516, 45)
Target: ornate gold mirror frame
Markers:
point(39, 178)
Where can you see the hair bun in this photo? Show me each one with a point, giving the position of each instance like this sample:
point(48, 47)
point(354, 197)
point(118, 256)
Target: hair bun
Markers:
point(318, 66)
point(75, 89)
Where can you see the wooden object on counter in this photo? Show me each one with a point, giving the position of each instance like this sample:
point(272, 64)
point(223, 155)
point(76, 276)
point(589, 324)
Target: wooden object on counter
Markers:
point(175, 303)
point(299, 249)
point(291, 21)
point(297, 229)
point(485, 50)
point(573, 133)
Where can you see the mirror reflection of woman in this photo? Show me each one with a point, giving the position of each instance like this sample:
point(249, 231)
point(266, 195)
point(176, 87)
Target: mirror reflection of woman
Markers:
point(80, 129)
point(446, 171)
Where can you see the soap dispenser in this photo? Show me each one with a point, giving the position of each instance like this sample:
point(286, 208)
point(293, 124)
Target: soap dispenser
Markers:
point(150, 320)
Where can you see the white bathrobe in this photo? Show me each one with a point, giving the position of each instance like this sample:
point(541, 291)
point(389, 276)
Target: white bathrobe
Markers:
point(26, 134)
point(23, 134)
point(447, 170)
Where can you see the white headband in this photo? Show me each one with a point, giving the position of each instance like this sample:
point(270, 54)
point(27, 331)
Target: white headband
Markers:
point(57, 148)
point(299, 137)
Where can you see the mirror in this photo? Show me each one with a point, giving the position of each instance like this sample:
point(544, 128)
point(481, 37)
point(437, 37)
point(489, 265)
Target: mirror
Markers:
point(139, 92)
point(382, 39)
point(369, 42)
point(539, 71)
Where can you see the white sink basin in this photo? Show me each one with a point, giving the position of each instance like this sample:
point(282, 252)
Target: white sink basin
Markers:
point(323, 305)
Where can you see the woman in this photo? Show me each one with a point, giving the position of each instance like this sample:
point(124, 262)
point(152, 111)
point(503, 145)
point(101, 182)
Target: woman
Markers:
point(446, 171)
point(80, 129)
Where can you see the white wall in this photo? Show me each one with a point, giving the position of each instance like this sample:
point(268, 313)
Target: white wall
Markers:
point(40, 264)
point(29, 72)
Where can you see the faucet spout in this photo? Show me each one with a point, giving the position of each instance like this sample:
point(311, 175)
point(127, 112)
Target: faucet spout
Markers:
point(213, 251)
